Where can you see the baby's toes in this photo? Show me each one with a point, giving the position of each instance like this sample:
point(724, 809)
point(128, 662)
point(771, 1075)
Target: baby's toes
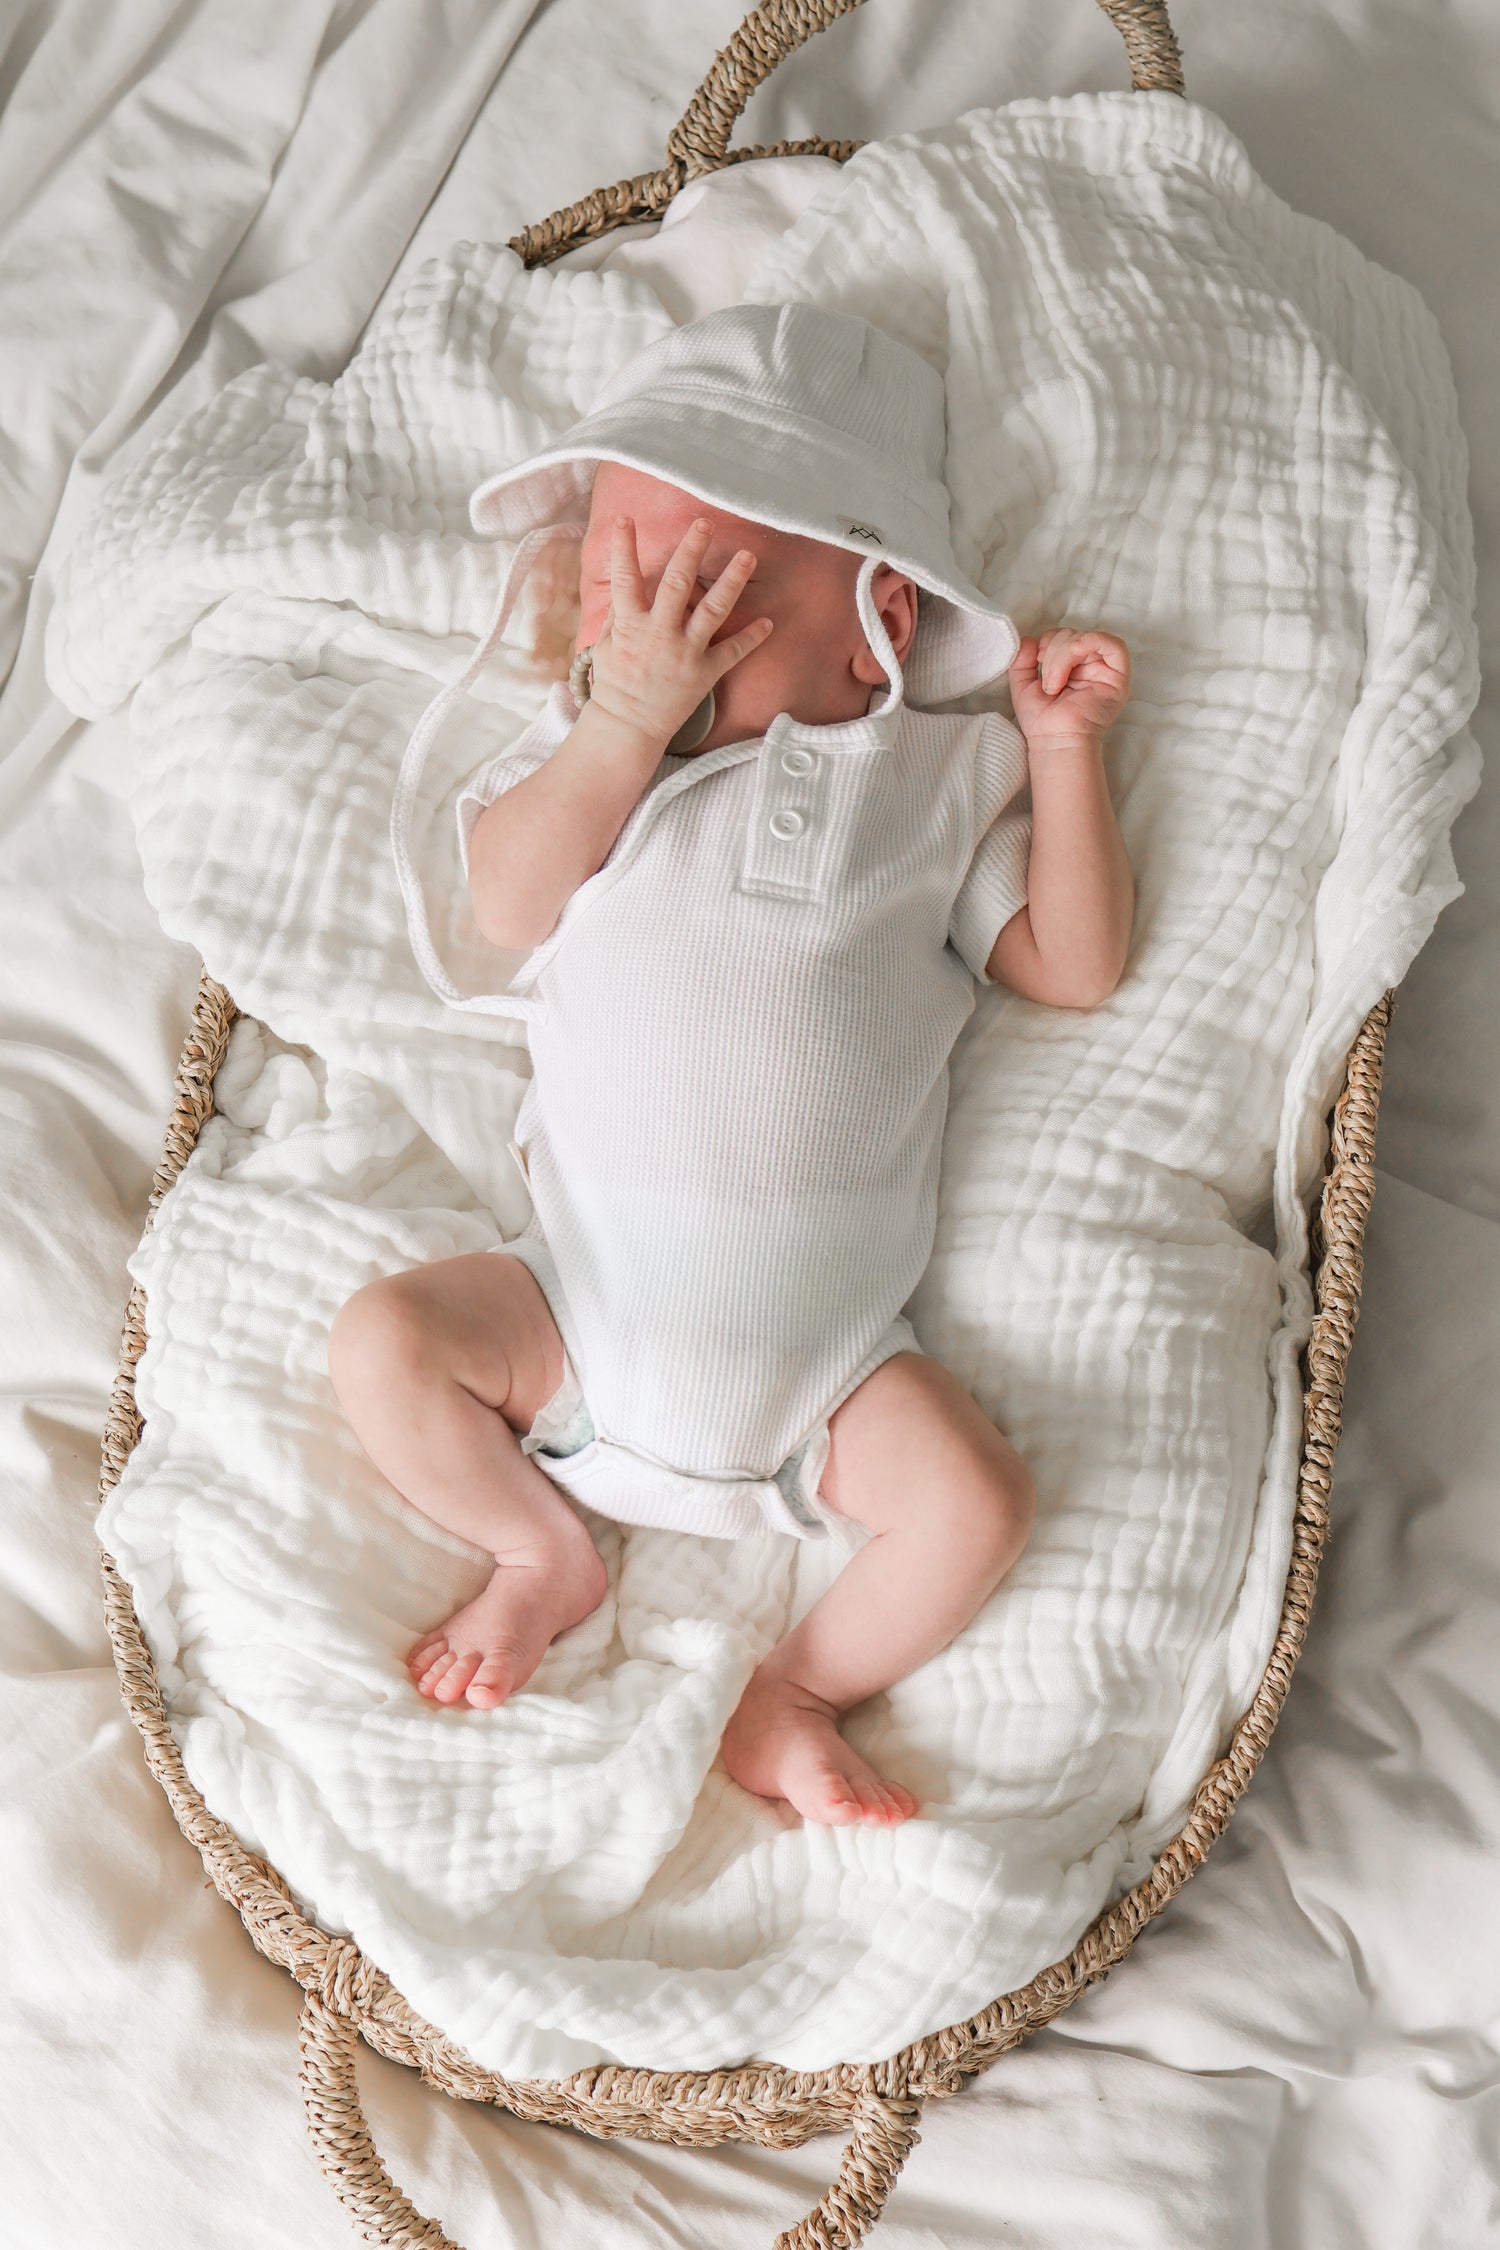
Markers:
point(869, 1801)
point(492, 1683)
point(450, 1688)
point(840, 1801)
point(878, 1805)
point(429, 1670)
point(896, 1804)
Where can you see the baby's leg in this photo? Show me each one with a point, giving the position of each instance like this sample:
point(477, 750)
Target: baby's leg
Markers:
point(437, 1369)
point(949, 1502)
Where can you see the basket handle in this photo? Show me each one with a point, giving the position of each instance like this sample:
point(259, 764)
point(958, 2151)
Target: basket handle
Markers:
point(699, 141)
point(885, 2130)
point(328, 2041)
point(1151, 46)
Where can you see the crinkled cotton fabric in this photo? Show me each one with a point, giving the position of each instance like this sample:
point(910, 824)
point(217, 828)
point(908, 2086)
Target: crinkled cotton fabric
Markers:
point(1174, 408)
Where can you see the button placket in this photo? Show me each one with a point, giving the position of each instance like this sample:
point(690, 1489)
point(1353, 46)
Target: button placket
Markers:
point(786, 844)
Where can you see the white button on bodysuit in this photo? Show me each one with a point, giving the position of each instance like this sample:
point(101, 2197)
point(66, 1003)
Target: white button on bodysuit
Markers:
point(740, 1029)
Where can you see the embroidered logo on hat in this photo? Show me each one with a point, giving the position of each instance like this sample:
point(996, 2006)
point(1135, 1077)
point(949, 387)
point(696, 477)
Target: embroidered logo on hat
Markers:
point(853, 529)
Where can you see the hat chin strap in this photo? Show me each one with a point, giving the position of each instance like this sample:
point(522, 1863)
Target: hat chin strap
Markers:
point(879, 639)
point(409, 779)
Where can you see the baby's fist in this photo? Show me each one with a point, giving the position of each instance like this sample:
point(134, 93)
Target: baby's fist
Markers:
point(1068, 684)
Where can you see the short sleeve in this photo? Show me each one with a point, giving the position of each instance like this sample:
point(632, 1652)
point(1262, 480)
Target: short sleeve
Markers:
point(526, 753)
point(994, 887)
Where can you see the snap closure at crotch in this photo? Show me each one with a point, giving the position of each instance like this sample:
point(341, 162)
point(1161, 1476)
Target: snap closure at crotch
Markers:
point(785, 822)
point(797, 761)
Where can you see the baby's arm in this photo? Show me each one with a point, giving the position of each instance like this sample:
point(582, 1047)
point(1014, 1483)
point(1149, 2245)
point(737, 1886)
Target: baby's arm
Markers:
point(1068, 944)
point(534, 845)
point(653, 664)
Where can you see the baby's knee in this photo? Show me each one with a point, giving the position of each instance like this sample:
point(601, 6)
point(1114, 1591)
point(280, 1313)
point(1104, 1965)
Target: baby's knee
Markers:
point(379, 1336)
point(1012, 1505)
point(913, 1436)
point(989, 1488)
point(981, 1502)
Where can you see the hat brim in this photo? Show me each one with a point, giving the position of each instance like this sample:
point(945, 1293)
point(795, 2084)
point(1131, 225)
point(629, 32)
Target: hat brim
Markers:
point(963, 641)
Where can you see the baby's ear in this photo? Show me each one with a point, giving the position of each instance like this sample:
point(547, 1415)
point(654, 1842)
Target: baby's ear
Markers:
point(896, 600)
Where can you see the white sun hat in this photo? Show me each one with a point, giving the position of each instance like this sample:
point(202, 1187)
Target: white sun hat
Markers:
point(807, 421)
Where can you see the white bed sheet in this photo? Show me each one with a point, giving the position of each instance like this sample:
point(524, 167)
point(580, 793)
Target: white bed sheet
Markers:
point(1304, 2050)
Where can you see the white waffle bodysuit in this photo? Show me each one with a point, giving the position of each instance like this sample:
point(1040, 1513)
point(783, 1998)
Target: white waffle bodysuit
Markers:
point(740, 1028)
point(740, 1024)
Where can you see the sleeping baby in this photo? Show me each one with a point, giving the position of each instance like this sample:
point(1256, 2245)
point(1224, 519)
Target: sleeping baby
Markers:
point(752, 884)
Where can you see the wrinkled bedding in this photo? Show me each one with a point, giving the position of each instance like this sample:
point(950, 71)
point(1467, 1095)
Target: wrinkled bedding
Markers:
point(1301, 2051)
point(1173, 405)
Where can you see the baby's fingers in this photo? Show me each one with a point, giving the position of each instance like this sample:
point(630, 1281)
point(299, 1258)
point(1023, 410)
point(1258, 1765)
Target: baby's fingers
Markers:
point(1057, 653)
point(1023, 665)
point(724, 655)
point(1065, 650)
point(720, 599)
point(1111, 652)
point(626, 589)
point(681, 574)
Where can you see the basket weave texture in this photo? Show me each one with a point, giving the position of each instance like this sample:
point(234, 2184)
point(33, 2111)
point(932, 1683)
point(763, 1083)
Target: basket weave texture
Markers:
point(878, 2105)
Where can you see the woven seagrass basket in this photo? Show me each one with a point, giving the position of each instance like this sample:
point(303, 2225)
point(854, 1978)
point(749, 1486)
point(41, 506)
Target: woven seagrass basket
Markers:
point(876, 2105)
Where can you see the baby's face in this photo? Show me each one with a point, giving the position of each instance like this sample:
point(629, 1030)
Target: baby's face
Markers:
point(815, 664)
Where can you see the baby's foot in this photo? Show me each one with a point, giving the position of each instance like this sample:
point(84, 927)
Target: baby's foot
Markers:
point(491, 1647)
point(785, 1742)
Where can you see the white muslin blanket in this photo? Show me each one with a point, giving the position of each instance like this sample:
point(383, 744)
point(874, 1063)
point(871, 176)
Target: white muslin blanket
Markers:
point(1177, 410)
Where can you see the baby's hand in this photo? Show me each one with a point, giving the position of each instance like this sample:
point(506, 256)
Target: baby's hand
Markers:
point(1068, 686)
point(652, 663)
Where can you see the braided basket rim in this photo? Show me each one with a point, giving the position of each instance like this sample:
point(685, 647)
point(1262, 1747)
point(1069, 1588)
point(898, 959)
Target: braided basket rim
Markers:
point(757, 2100)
